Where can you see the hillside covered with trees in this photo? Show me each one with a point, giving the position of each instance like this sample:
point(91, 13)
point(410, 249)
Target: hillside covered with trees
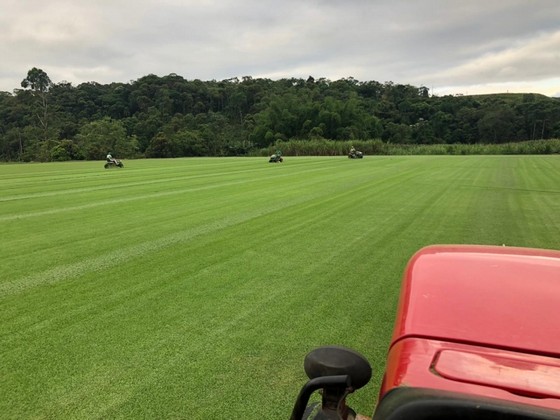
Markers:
point(170, 116)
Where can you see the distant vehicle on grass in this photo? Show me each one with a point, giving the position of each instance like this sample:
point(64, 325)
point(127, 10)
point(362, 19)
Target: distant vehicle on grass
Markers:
point(276, 157)
point(114, 164)
point(111, 162)
point(476, 336)
point(355, 154)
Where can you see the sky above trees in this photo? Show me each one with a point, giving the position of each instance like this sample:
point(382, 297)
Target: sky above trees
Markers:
point(451, 47)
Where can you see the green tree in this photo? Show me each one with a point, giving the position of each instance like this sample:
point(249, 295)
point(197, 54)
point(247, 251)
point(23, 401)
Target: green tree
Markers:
point(39, 83)
point(171, 116)
point(190, 143)
point(100, 137)
point(65, 150)
point(397, 133)
point(496, 125)
point(161, 147)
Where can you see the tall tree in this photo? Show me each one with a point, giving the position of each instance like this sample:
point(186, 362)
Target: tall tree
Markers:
point(40, 83)
point(103, 136)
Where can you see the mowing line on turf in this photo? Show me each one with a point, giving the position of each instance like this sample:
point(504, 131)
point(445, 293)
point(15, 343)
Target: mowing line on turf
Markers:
point(218, 285)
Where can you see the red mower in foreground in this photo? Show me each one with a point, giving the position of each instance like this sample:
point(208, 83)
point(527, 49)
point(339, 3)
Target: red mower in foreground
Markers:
point(476, 336)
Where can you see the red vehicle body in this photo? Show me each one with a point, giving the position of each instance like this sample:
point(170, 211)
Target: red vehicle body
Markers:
point(477, 335)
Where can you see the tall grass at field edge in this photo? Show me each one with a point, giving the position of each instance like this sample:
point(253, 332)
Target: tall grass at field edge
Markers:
point(321, 147)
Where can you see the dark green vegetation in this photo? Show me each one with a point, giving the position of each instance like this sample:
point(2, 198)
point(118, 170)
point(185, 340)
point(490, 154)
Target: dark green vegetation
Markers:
point(379, 148)
point(193, 288)
point(173, 117)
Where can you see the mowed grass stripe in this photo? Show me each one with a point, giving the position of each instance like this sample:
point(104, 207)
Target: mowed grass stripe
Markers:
point(113, 187)
point(325, 306)
point(109, 260)
point(115, 180)
point(508, 207)
point(58, 242)
point(138, 174)
point(117, 272)
point(220, 322)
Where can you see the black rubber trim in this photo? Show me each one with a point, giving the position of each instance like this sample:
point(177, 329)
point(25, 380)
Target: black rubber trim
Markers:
point(427, 404)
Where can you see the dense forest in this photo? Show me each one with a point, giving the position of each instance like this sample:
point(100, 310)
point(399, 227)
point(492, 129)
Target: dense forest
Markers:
point(170, 116)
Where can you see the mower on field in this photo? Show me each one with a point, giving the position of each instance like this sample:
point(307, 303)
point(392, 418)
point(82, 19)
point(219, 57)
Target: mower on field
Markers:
point(476, 336)
point(113, 163)
point(355, 154)
point(275, 158)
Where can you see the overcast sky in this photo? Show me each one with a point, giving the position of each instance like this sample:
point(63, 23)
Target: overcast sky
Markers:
point(449, 46)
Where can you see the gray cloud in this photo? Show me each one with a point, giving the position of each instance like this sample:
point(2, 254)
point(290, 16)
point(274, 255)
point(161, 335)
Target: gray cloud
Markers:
point(451, 46)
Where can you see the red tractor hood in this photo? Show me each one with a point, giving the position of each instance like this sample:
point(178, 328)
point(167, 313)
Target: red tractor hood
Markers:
point(490, 296)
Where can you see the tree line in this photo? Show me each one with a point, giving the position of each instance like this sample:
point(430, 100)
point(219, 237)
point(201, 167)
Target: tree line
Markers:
point(170, 116)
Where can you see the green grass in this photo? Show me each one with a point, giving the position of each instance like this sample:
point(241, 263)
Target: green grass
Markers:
point(193, 288)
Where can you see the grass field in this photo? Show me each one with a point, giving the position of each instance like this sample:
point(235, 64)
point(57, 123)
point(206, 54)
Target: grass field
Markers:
point(193, 288)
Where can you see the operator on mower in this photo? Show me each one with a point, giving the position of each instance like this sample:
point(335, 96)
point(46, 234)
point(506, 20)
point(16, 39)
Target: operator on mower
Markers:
point(111, 159)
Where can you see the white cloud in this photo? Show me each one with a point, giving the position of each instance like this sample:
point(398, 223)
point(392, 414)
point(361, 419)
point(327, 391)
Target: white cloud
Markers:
point(548, 87)
point(535, 59)
point(433, 42)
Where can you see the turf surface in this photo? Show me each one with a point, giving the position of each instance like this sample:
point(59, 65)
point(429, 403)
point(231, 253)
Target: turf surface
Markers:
point(193, 288)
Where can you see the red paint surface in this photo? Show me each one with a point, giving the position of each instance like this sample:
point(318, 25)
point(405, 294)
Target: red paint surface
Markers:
point(414, 363)
point(480, 320)
point(518, 373)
